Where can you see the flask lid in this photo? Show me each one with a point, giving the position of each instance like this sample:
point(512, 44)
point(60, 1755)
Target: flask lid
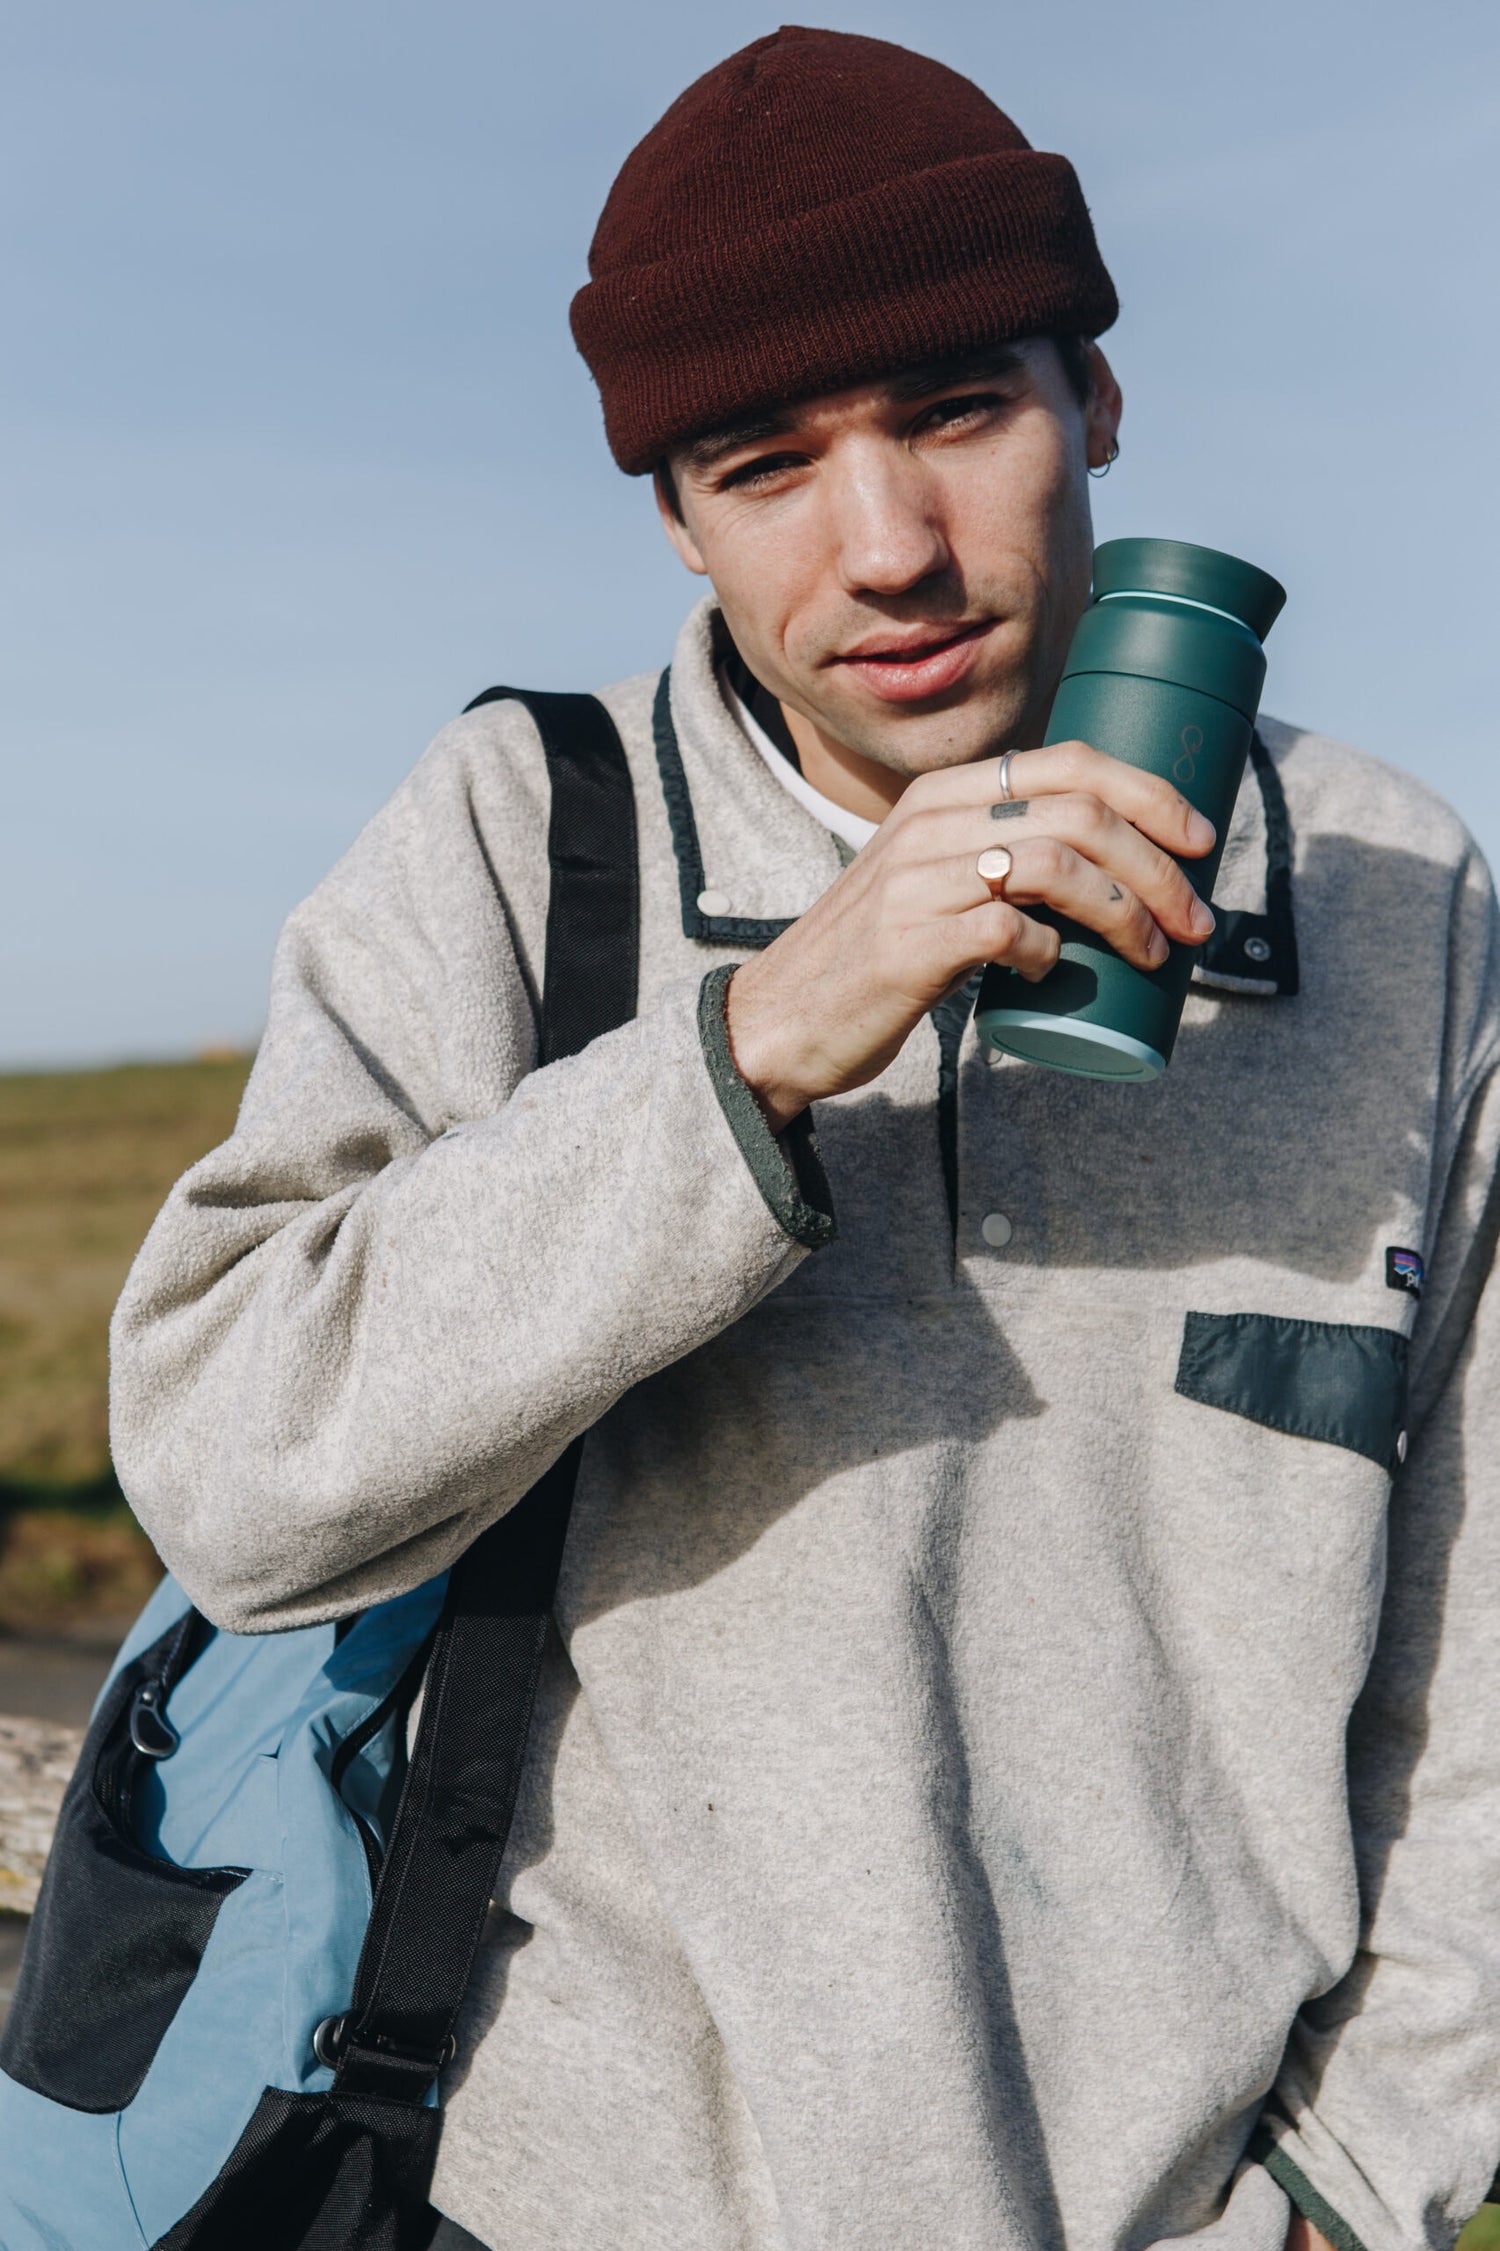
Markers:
point(1189, 574)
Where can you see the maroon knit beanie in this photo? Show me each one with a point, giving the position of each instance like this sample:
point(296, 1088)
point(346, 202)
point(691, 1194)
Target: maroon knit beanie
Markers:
point(816, 211)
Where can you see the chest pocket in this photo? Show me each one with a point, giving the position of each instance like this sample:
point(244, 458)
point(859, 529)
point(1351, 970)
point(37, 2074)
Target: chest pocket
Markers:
point(1330, 1380)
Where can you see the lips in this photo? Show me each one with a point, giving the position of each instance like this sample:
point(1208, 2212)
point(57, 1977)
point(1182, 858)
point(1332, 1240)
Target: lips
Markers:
point(906, 673)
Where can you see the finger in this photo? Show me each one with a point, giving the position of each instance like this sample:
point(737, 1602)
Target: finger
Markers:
point(1047, 872)
point(940, 874)
point(1150, 804)
point(1096, 832)
point(944, 952)
point(998, 931)
point(1155, 807)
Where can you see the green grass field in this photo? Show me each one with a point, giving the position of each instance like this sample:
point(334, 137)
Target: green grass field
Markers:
point(86, 1158)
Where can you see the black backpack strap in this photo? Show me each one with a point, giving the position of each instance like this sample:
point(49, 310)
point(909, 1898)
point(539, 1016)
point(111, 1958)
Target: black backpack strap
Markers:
point(594, 913)
point(451, 1826)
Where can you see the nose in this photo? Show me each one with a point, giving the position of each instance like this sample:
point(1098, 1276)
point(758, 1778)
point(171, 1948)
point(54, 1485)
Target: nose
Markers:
point(886, 521)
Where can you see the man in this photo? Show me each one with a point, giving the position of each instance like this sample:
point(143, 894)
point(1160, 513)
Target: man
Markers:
point(1007, 1775)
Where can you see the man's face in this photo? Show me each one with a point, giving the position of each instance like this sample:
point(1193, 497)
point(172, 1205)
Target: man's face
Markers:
point(903, 563)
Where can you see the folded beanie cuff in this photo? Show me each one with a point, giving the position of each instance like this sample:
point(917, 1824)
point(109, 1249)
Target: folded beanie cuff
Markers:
point(983, 249)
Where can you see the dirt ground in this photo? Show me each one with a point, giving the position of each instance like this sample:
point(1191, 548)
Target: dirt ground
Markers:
point(55, 1679)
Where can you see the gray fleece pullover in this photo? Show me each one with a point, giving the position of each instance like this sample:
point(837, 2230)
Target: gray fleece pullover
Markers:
point(1013, 1771)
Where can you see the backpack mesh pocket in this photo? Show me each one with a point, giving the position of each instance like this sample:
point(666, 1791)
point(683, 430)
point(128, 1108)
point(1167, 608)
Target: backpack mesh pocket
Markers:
point(117, 1935)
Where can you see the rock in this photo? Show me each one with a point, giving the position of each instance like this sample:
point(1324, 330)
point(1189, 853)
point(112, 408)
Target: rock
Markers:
point(36, 1761)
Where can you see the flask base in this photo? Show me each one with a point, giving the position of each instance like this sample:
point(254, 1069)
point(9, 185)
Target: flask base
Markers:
point(1089, 1051)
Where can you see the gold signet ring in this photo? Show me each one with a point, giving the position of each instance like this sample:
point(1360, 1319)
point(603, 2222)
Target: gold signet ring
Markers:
point(992, 867)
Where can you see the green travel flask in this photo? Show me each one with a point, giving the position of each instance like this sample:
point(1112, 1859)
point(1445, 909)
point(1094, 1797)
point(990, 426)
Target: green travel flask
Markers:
point(1165, 671)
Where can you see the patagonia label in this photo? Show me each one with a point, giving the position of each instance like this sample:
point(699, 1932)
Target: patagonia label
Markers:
point(1404, 1271)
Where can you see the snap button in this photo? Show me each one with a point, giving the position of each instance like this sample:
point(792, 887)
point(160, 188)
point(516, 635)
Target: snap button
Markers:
point(996, 1230)
point(1258, 949)
point(713, 902)
point(1401, 1446)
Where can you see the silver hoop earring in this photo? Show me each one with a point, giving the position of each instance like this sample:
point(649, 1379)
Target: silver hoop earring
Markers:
point(1113, 457)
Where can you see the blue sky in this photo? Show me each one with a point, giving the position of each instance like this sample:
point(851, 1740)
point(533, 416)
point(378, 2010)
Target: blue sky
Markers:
point(298, 454)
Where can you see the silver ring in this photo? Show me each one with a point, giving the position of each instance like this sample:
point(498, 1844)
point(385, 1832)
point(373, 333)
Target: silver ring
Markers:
point(1005, 793)
point(993, 867)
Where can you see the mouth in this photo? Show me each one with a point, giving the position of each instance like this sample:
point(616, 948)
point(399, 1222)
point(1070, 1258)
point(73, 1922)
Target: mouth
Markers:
point(906, 668)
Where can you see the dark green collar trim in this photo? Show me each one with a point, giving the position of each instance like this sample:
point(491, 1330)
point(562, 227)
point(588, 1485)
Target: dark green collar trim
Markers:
point(789, 1172)
point(1256, 954)
point(1299, 2188)
point(715, 929)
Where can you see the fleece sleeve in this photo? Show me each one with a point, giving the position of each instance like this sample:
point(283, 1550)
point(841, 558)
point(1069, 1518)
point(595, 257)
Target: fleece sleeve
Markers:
point(360, 1329)
point(1386, 2125)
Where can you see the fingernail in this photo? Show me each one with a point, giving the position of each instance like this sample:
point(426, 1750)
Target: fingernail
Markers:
point(1200, 831)
point(1159, 948)
point(1203, 918)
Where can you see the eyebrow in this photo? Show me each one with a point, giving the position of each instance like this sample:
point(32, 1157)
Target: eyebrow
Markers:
point(703, 452)
point(984, 365)
point(989, 361)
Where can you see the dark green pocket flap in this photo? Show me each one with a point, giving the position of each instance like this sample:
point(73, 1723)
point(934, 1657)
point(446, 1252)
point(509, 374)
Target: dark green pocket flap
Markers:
point(1314, 1379)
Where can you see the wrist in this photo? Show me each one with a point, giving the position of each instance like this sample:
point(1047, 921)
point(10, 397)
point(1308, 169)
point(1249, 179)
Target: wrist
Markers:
point(761, 1053)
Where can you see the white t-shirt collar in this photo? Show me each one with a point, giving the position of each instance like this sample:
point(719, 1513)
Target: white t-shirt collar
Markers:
point(850, 827)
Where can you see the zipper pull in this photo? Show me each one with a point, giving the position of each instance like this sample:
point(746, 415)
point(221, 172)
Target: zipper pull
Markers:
point(151, 1731)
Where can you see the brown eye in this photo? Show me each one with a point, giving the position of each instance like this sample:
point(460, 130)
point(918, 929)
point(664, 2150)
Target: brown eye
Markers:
point(948, 411)
point(759, 472)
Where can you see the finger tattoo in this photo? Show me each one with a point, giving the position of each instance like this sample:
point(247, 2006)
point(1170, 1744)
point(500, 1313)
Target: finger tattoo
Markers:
point(1011, 810)
point(1115, 892)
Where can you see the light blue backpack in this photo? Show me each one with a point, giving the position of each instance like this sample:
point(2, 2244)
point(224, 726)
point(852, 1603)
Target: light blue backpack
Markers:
point(259, 1915)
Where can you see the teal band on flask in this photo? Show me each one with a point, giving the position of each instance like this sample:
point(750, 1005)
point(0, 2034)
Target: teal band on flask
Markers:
point(1165, 671)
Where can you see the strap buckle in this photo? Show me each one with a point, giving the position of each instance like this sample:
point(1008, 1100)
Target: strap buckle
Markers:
point(333, 2041)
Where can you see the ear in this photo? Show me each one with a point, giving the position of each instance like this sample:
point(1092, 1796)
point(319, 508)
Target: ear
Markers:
point(1101, 419)
point(675, 529)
